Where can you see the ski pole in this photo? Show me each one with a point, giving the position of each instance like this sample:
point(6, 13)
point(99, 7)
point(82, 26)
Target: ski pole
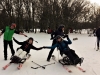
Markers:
point(36, 41)
point(39, 65)
point(95, 44)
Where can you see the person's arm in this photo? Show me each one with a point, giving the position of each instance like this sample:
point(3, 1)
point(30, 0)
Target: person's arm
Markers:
point(2, 32)
point(17, 32)
point(97, 32)
point(35, 48)
point(52, 37)
point(68, 40)
point(20, 43)
point(51, 47)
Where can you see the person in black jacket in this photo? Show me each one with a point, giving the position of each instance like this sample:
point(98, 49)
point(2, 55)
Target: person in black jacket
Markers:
point(25, 47)
point(59, 31)
point(98, 37)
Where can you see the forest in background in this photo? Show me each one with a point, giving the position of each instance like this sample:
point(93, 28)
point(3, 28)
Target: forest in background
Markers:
point(44, 14)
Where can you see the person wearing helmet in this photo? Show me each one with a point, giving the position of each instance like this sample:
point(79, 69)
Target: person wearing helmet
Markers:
point(59, 31)
point(25, 47)
point(62, 45)
point(8, 33)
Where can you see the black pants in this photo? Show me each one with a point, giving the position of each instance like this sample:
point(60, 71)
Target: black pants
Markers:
point(51, 51)
point(71, 55)
point(98, 40)
point(5, 47)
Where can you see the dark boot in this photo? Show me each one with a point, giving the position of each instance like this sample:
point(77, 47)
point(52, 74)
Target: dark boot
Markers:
point(81, 60)
point(5, 58)
point(97, 48)
point(78, 61)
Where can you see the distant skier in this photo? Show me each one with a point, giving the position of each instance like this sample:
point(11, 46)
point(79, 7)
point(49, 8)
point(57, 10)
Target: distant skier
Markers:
point(94, 31)
point(25, 47)
point(98, 37)
point(62, 45)
point(59, 31)
point(8, 33)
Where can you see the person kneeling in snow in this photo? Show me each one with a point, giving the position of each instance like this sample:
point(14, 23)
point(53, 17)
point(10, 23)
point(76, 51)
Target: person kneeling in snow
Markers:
point(24, 50)
point(62, 45)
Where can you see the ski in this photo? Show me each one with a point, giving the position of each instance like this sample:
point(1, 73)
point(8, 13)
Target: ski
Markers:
point(70, 71)
point(54, 58)
point(81, 69)
point(20, 66)
point(6, 66)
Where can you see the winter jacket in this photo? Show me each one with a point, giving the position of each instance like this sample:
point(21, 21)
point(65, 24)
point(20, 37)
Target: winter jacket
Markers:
point(25, 46)
point(98, 32)
point(57, 32)
point(8, 33)
point(63, 45)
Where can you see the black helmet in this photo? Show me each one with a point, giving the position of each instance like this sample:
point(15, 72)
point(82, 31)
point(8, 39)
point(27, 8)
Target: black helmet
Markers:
point(58, 37)
point(60, 27)
point(31, 39)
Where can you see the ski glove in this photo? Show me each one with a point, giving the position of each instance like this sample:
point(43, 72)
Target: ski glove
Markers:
point(13, 38)
point(25, 35)
point(66, 36)
point(51, 38)
point(44, 47)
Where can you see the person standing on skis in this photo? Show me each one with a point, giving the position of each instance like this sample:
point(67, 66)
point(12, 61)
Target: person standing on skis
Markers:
point(59, 31)
point(98, 37)
point(8, 33)
point(62, 45)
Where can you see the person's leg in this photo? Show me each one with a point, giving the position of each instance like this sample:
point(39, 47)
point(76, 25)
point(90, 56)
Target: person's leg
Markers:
point(97, 42)
point(19, 55)
point(70, 56)
point(11, 47)
point(23, 54)
point(74, 54)
point(51, 51)
point(19, 51)
point(5, 49)
point(76, 57)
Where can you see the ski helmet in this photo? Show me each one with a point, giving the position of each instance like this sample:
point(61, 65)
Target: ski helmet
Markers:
point(14, 25)
point(60, 27)
point(31, 39)
point(58, 37)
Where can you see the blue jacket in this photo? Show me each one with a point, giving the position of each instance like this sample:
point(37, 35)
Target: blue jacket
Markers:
point(63, 45)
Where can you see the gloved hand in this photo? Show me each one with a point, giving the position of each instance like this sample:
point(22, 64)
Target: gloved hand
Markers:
point(44, 47)
point(13, 38)
point(51, 38)
point(25, 35)
point(66, 36)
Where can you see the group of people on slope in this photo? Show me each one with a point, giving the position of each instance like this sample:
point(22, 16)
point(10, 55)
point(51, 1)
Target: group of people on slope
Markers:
point(56, 36)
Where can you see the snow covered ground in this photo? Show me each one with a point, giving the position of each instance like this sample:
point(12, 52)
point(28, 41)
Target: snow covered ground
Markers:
point(84, 47)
